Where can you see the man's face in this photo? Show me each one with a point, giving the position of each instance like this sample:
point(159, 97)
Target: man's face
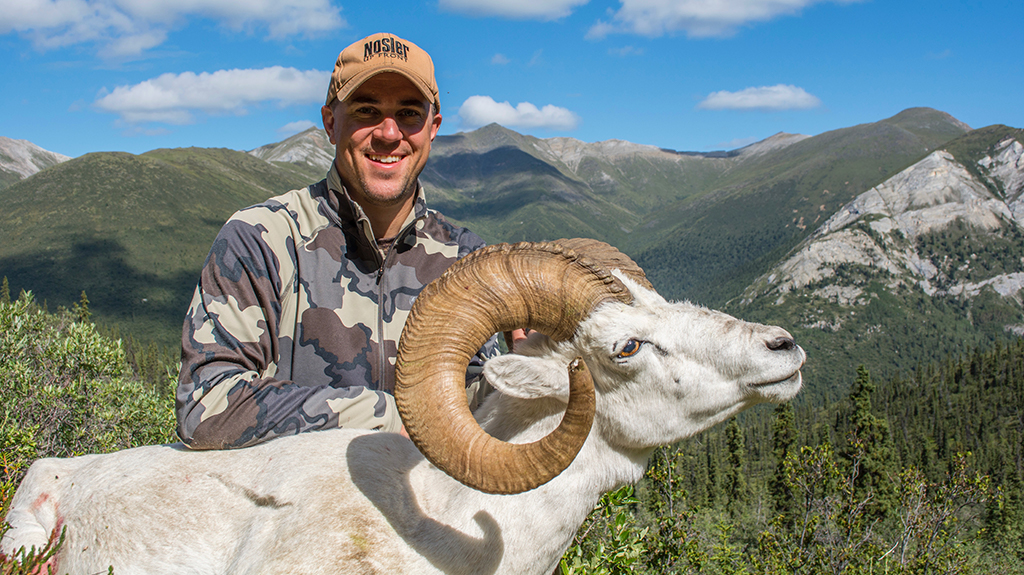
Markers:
point(382, 134)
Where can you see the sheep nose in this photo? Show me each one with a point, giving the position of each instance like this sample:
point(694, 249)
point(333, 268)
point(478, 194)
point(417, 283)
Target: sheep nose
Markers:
point(781, 344)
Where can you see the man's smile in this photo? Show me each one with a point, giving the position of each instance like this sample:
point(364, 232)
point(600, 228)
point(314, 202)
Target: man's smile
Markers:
point(384, 159)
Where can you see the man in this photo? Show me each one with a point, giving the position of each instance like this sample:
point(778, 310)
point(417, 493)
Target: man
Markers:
point(295, 321)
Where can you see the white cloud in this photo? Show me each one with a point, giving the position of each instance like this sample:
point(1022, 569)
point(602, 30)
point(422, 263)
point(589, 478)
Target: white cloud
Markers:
point(697, 18)
point(500, 59)
point(520, 9)
point(174, 98)
point(479, 111)
point(128, 27)
point(765, 98)
point(293, 128)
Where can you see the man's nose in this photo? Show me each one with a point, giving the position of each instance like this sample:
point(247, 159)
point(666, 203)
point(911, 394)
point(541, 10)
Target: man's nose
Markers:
point(388, 130)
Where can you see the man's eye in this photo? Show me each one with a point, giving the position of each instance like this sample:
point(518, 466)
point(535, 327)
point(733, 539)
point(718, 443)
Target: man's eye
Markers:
point(630, 349)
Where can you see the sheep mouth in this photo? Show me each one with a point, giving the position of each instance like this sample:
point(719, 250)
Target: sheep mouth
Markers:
point(795, 378)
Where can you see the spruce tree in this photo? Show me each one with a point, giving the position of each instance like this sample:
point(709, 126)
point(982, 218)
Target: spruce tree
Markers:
point(783, 444)
point(1004, 519)
point(5, 292)
point(82, 308)
point(870, 449)
point(735, 480)
point(714, 493)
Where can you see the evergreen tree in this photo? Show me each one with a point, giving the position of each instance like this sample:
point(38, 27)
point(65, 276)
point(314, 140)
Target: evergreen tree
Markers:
point(714, 493)
point(784, 439)
point(735, 480)
point(869, 452)
point(1004, 522)
point(5, 292)
point(81, 309)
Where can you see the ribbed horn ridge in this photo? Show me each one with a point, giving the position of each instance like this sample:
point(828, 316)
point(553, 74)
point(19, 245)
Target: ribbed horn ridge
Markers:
point(608, 257)
point(544, 286)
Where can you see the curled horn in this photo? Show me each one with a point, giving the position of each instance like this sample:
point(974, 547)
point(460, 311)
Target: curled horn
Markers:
point(547, 286)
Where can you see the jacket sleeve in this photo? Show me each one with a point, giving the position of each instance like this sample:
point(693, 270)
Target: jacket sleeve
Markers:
point(227, 395)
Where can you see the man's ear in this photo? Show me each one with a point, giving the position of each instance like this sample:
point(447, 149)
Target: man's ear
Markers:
point(435, 125)
point(328, 117)
point(528, 377)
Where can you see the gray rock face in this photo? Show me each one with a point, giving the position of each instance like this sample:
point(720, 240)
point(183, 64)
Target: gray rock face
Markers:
point(1006, 172)
point(879, 229)
point(24, 158)
point(310, 147)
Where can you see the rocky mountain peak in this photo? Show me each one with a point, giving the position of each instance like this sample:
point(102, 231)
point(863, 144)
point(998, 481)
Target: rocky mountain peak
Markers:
point(311, 147)
point(22, 158)
point(926, 118)
point(772, 143)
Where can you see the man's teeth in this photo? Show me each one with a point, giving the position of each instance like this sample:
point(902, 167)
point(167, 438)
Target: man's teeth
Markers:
point(385, 159)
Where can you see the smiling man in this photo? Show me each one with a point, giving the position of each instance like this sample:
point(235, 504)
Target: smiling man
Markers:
point(295, 321)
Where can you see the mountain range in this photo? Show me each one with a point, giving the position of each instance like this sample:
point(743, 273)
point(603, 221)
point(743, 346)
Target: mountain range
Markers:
point(850, 236)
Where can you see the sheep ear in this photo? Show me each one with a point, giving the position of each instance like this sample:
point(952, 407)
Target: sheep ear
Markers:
point(647, 296)
point(528, 377)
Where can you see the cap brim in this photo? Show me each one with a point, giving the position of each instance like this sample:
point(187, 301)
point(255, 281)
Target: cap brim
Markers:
point(359, 79)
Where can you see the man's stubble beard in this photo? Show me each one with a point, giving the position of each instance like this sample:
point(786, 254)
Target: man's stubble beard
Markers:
point(386, 200)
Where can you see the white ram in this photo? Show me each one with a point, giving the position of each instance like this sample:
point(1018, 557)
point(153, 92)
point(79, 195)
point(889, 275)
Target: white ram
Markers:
point(350, 501)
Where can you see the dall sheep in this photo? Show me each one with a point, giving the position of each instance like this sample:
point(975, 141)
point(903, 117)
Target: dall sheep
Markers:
point(501, 491)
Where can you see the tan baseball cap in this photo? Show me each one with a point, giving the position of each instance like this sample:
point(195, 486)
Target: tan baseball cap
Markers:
point(382, 53)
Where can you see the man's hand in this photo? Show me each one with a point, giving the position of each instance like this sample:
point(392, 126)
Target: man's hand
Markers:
point(518, 335)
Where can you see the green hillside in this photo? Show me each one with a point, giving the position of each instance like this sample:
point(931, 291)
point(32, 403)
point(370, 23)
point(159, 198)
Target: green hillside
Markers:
point(509, 195)
point(8, 178)
point(132, 231)
point(509, 187)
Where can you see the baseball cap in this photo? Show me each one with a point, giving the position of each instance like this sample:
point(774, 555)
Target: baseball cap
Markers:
point(381, 53)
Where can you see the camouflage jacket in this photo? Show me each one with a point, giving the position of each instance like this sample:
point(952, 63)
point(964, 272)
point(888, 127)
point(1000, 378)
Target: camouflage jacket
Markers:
point(295, 321)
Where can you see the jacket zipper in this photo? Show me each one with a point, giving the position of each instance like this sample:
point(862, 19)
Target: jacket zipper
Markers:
point(381, 284)
point(381, 291)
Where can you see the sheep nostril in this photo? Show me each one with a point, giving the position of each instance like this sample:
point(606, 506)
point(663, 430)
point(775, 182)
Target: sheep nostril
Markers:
point(781, 344)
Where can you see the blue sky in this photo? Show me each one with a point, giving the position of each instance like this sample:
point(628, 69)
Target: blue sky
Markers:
point(83, 76)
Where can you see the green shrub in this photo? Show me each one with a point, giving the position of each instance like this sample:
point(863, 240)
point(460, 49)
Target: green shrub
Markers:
point(66, 390)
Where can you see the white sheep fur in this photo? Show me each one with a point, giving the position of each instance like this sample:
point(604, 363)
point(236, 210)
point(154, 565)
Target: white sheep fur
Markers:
point(351, 501)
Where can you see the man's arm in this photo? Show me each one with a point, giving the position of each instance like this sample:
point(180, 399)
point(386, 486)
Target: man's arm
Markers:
point(228, 395)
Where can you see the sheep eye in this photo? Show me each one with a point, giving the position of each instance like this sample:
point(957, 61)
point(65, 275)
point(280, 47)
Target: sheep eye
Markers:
point(632, 346)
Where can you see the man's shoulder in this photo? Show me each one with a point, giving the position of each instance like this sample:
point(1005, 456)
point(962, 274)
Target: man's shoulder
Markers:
point(292, 199)
point(299, 207)
point(439, 228)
